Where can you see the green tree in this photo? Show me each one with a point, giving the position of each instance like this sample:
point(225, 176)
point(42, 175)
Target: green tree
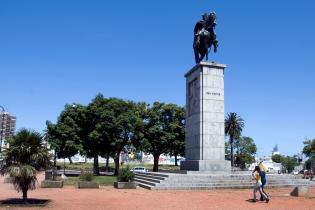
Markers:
point(289, 163)
point(233, 128)
point(65, 137)
point(96, 139)
point(177, 145)
point(26, 152)
point(111, 123)
point(161, 127)
point(246, 150)
point(309, 148)
point(309, 151)
point(277, 158)
point(126, 118)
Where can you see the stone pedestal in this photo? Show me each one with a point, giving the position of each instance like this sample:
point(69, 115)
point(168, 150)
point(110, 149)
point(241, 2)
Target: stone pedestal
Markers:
point(205, 149)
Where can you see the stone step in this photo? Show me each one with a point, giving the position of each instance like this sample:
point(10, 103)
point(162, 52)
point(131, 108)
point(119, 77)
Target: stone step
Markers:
point(227, 178)
point(144, 182)
point(148, 179)
point(222, 180)
point(205, 187)
point(150, 176)
point(145, 186)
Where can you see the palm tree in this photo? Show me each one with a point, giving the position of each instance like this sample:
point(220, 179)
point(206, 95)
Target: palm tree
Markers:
point(233, 128)
point(25, 153)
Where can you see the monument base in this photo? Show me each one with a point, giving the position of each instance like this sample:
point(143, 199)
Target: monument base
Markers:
point(209, 166)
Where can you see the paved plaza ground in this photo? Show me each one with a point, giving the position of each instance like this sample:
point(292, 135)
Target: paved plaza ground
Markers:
point(141, 199)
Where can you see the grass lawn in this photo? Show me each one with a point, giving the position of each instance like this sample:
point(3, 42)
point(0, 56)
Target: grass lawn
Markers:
point(101, 180)
point(89, 166)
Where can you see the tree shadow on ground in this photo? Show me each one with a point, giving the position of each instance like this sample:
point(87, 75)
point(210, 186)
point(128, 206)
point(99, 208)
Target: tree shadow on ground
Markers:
point(21, 203)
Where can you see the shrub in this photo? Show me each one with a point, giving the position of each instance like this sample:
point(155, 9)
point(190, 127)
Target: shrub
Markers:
point(86, 176)
point(125, 175)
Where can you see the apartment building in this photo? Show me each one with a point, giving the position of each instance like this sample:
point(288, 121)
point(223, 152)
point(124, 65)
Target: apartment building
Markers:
point(7, 127)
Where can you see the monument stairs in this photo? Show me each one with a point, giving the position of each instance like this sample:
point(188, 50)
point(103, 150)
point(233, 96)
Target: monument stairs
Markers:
point(199, 181)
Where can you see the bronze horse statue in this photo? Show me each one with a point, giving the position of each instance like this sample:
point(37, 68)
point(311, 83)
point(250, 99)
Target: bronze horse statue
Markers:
point(205, 37)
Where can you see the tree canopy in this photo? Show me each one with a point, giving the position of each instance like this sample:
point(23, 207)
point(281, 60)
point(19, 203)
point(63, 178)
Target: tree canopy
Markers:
point(162, 130)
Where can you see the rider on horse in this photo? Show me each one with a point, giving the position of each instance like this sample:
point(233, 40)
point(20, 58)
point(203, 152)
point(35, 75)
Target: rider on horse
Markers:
point(204, 36)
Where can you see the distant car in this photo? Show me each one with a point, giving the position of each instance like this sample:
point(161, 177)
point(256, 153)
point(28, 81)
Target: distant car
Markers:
point(295, 172)
point(139, 169)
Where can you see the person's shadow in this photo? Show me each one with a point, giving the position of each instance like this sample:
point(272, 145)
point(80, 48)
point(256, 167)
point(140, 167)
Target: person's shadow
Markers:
point(251, 200)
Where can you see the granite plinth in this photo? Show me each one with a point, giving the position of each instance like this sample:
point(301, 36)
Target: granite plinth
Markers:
point(205, 148)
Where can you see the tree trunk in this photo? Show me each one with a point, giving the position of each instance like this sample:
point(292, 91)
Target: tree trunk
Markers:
point(70, 160)
point(116, 160)
point(232, 159)
point(156, 162)
point(55, 159)
point(107, 162)
point(24, 191)
point(176, 164)
point(96, 169)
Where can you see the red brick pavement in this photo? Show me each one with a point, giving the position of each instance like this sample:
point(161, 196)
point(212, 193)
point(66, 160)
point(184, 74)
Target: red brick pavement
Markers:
point(141, 199)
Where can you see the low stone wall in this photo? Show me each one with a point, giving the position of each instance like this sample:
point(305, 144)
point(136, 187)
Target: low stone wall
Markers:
point(87, 185)
point(125, 185)
point(51, 184)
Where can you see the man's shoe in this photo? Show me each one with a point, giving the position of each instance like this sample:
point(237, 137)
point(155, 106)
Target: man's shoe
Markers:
point(267, 200)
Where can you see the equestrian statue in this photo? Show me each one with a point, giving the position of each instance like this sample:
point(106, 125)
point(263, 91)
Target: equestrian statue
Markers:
point(205, 37)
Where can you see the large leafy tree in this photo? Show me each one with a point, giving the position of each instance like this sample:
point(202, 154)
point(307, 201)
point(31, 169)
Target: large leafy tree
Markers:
point(234, 125)
point(162, 126)
point(246, 150)
point(111, 123)
point(96, 141)
point(26, 153)
point(125, 119)
point(66, 136)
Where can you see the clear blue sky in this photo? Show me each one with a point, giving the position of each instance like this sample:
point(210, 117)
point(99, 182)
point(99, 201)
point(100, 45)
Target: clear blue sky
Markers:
point(58, 52)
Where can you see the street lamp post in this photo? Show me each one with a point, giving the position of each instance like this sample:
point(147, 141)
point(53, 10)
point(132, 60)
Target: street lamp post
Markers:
point(2, 128)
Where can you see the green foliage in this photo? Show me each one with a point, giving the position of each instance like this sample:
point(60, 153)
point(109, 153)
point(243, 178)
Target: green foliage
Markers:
point(66, 136)
point(162, 131)
point(245, 151)
point(113, 124)
point(177, 145)
point(287, 162)
point(125, 175)
point(107, 125)
point(233, 128)
point(24, 176)
point(86, 176)
point(277, 158)
point(309, 148)
point(26, 149)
